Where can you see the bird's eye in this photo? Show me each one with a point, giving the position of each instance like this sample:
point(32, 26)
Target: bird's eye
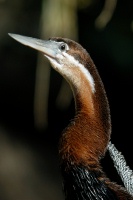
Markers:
point(63, 47)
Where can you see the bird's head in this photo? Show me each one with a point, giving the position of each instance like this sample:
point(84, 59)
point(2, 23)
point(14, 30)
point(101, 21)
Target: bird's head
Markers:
point(66, 56)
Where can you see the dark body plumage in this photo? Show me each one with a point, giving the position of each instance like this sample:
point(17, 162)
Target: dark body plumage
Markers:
point(83, 184)
point(84, 142)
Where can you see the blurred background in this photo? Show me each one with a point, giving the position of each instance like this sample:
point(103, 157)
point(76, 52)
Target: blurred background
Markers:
point(36, 104)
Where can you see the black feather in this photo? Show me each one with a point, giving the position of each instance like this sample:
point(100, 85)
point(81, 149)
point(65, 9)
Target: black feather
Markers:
point(82, 184)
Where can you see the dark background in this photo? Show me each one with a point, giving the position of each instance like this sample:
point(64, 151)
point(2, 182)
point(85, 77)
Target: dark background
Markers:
point(29, 156)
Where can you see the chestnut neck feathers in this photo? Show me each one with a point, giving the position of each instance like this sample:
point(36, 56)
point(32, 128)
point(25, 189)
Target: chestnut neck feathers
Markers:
point(86, 138)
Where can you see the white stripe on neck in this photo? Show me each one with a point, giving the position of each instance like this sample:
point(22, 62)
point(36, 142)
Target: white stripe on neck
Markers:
point(83, 69)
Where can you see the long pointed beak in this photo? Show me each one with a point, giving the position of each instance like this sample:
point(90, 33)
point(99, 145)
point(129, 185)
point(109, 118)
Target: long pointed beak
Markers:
point(47, 47)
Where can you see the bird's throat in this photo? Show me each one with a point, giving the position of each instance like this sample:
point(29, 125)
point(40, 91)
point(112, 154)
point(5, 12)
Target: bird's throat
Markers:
point(85, 139)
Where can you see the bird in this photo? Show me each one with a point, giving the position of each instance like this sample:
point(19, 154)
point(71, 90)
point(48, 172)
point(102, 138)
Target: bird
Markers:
point(83, 143)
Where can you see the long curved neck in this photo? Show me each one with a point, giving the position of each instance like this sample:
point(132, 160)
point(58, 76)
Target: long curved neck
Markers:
point(92, 99)
point(85, 140)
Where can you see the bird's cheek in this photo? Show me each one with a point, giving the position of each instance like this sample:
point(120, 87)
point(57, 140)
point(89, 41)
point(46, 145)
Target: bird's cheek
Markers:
point(59, 57)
